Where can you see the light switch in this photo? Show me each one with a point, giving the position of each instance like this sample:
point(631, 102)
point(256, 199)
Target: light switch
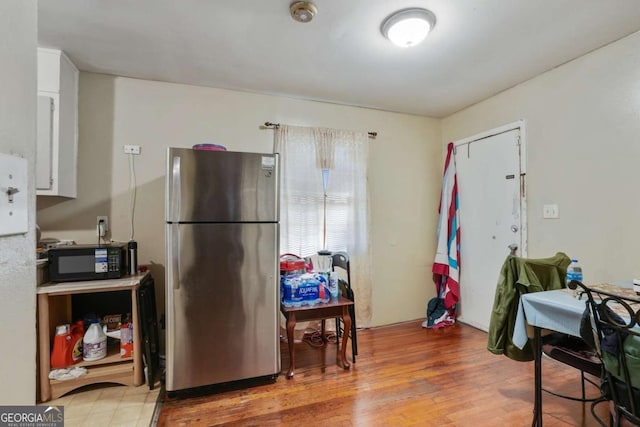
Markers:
point(13, 195)
point(550, 211)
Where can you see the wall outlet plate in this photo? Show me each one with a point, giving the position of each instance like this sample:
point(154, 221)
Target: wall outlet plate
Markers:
point(105, 227)
point(550, 212)
point(132, 149)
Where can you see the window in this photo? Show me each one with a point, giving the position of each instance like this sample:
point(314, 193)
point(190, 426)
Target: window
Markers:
point(343, 156)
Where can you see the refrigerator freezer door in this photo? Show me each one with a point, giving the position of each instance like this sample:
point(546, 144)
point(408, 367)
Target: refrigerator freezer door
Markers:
point(221, 186)
point(222, 303)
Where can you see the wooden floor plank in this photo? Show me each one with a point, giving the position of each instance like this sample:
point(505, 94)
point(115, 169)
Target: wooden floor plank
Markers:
point(404, 376)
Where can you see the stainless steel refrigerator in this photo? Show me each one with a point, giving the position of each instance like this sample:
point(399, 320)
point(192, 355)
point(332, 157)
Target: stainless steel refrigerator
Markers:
point(222, 271)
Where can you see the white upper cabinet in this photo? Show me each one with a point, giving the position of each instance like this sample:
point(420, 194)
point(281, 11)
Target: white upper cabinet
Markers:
point(57, 118)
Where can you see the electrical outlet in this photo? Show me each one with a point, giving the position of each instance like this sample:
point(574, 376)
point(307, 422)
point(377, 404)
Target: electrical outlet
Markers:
point(105, 225)
point(550, 211)
point(132, 149)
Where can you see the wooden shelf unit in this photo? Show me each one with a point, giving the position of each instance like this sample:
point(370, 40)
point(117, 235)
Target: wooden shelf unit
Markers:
point(113, 356)
point(54, 308)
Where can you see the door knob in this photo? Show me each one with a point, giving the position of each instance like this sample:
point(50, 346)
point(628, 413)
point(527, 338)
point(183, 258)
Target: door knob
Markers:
point(514, 228)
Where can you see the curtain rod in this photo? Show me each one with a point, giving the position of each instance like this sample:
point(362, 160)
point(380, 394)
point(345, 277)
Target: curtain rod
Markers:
point(277, 125)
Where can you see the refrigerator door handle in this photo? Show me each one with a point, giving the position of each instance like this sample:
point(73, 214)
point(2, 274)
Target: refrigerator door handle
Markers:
point(176, 198)
point(175, 255)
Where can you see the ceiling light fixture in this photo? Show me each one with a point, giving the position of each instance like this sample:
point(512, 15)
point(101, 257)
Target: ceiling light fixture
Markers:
point(408, 27)
point(302, 11)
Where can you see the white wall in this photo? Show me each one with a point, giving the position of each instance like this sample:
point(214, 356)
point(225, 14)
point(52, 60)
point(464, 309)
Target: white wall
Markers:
point(404, 178)
point(583, 149)
point(18, 23)
point(583, 125)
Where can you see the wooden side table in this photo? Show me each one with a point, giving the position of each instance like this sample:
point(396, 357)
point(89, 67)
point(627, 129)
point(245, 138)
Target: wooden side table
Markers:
point(330, 310)
point(113, 368)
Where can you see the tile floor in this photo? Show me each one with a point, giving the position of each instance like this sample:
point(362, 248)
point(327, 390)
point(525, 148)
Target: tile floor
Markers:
point(109, 405)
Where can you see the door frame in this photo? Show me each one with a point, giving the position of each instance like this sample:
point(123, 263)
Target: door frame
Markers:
point(521, 126)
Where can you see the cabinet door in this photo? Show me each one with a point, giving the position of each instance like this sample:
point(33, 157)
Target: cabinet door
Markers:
point(44, 165)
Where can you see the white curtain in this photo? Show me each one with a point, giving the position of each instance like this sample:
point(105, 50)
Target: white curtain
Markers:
point(304, 153)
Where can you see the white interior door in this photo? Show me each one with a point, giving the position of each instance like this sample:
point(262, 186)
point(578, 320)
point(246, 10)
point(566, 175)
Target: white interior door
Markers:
point(489, 186)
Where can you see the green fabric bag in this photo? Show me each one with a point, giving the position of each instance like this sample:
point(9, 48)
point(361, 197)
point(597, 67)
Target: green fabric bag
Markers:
point(632, 352)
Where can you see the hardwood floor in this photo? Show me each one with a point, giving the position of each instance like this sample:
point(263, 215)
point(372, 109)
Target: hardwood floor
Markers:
point(404, 376)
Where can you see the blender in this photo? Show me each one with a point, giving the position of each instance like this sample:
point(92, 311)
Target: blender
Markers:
point(324, 262)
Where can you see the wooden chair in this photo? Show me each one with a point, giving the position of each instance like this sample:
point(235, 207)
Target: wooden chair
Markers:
point(341, 260)
point(616, 335)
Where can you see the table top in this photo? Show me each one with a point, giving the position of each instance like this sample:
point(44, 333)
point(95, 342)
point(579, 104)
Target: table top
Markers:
point(333, 302)
point(559, 310)
point(106, 285)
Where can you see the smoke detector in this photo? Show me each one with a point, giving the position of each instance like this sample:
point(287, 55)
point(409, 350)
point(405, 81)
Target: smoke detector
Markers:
point(303, 11)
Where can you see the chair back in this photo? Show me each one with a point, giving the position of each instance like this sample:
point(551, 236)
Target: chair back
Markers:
point(341, 259)
point(616, 328)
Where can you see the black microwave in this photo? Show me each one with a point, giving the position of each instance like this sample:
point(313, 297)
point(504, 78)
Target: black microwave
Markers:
point(87, 262)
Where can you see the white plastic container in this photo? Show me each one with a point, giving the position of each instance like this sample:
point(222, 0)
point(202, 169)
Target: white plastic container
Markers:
point(94, 343)
point(333, 285)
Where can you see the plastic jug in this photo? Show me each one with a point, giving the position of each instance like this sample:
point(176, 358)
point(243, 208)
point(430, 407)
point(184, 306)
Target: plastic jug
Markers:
point(77, 334)
point(61, 353)
point(94, 345)
point(67, 345)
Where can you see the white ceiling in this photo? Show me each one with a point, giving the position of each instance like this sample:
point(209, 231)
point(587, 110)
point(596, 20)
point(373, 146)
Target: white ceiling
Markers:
point(477, 48)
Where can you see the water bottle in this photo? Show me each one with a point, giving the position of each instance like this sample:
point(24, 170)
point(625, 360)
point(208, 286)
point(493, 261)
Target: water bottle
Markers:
point(291, 296)
point(291, 267)
point(574, 271)
point(309, 289)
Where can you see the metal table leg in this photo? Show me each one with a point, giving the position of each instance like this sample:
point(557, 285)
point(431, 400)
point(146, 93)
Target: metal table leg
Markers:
point(537, 404)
